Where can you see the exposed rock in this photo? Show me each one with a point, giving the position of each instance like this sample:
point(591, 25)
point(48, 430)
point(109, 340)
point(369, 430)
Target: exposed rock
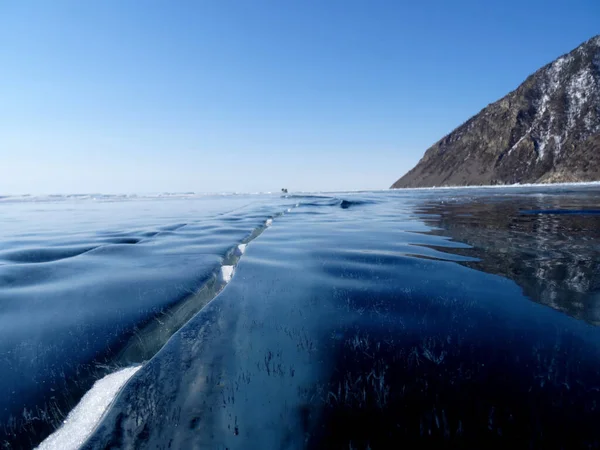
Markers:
point(545, 131)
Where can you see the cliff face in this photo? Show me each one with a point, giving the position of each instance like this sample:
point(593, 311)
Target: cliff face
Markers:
point(545, 131)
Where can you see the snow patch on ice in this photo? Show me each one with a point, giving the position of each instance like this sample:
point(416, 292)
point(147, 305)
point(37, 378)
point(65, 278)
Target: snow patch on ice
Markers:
point(242, 248)
point(269, 222)
point(226, 273)
point(84, 418)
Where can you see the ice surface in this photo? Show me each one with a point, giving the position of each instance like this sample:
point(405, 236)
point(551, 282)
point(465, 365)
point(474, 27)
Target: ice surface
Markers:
point(343, 324)
point(326, 303)
point(82, 420)
point(131, 260)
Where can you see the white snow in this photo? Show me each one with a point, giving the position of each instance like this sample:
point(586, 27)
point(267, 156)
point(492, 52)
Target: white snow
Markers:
point(557, 143)
point(507, 186)
point(549, 87)
point(520, 140)
point(578, 89)
point(591, 125)
point(545, 137)
point(226, 273)
point(242, 248)
point(269, 222)
point(581, 84)
point(84, 418)
point(555, 71)
point(542, 106)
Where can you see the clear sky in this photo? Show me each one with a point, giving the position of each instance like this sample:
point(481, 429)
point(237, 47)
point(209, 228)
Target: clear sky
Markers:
point(119, 96)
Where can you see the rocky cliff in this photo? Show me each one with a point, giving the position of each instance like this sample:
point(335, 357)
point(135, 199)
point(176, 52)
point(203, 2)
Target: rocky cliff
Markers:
point(545, 131)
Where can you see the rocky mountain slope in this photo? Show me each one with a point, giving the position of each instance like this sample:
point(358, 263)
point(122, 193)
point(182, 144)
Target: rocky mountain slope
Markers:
point(545, 131)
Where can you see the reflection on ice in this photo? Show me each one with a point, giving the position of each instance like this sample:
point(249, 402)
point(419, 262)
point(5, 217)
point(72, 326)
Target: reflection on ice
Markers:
point(549, 245)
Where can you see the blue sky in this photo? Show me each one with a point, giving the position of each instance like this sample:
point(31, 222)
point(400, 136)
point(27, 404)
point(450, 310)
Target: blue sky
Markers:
point(250, 95)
